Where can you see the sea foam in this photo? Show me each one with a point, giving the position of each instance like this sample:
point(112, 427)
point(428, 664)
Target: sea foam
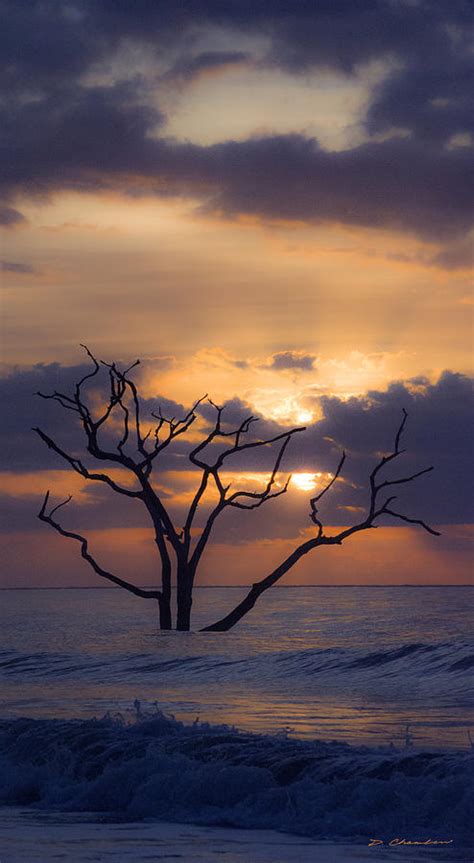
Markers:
point(159, 768)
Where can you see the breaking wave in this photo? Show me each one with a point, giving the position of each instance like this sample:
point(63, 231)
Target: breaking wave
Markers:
point(159, 768)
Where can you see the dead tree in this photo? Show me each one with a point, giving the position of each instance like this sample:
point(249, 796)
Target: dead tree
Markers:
point(180, 550)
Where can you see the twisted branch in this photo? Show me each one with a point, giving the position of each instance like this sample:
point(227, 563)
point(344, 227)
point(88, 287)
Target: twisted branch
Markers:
point(238, 499)
point(85, 553)
point(317, 498)
point(80, 468)
point(374, 512)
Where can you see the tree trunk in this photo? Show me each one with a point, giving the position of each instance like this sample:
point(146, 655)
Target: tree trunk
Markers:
point(165, 604)
point(183, 620)
point(184, 599)
point(165, 601)
point(165, 612)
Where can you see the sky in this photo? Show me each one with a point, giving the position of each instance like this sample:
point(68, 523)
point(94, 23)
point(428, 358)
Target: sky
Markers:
point(268, 202)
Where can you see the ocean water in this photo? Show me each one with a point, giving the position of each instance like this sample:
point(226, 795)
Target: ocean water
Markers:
point(332, 713)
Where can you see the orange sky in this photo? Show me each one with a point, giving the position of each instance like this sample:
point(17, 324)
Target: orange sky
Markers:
point(146, 242)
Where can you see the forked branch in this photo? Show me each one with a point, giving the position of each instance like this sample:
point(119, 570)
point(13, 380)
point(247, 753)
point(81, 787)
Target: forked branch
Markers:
point(43, 515)
point(375, 511)
point(80, 468)
point(314, 500)
point(210, 469)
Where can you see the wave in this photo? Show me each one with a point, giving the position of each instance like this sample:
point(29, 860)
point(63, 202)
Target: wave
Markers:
point(160, 768)
point(452, 661)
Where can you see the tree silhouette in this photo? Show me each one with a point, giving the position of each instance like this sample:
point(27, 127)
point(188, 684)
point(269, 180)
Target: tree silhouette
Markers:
point(180, 550)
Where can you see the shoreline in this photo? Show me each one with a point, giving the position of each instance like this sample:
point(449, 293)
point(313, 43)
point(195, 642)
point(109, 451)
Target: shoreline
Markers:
point(79, 838)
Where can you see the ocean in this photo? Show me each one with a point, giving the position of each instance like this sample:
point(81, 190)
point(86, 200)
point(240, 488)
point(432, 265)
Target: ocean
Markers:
point(339, 714)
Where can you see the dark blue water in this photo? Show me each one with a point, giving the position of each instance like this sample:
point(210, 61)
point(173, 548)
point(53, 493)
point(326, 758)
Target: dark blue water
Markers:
point(361, 697)
point(355, 664)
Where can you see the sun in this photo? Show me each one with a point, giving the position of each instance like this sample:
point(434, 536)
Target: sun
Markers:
point(304, 417)
point(305, 481)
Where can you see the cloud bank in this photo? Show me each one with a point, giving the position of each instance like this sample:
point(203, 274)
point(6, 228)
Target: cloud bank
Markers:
point(438, 434)
point(66, 129)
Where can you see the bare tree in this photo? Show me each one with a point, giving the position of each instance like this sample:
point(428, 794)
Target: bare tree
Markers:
point(180, 550)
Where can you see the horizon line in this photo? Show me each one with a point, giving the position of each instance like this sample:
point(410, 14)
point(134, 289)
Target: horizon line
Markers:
point(231, 586)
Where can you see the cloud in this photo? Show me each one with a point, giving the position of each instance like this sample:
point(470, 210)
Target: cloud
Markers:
point(398, 184)
point(14, 267)
point(20, 450)
point(300, 35)
point(65, 131)
point(424, 98)
point(99, 138)
point(456, 256)
point(190, 68)
point(293, 360)
point(438, 433)
point(9, 217)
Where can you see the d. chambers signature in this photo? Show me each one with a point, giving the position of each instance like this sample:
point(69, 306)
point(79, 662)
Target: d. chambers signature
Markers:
point(397, 842)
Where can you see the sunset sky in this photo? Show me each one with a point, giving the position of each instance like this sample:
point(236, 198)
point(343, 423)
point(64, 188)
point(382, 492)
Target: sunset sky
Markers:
point(270, 202)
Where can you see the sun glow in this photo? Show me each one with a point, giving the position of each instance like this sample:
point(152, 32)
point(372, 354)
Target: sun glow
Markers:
point(304, 417)
point(280, 407)
point(305, 481)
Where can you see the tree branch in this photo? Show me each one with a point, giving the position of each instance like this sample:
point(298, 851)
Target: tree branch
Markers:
point(175, 429)
point(404, 479)
point(120, 582)
point(266, 494)
point(259, 497)
point(119, 382)
point(317, 498)
point(236, 434)
point(373, 514)
point(411, 521)
point(77, 465)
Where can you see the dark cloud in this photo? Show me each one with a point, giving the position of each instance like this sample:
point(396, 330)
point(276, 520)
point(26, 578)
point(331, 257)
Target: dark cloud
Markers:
point(456, 256)
point(14, 267)
point(42, 45)
point(433, 102)
point(345, 34)
point(78, 138)
point(9, 217)
point(189, 68)
point(396, 184)
point(20, 449)
point(60, 133)
point(65, 37)
point(428, 93)
point(100, 137)
point(288, 360)
point(438, 433)
point(103, 510)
